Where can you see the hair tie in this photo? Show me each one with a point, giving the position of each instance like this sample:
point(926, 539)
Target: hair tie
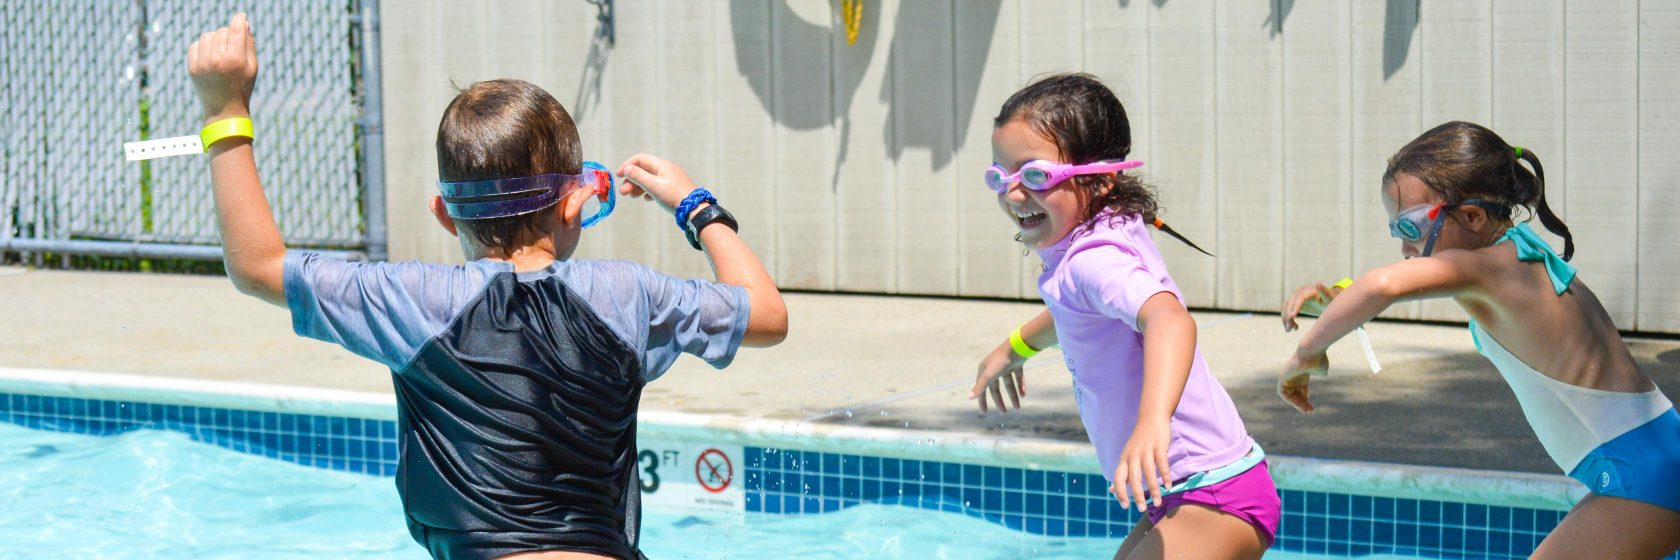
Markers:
point(1519, 151)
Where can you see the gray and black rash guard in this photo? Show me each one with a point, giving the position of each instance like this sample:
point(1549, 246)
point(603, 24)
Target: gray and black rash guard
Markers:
point(516, 392)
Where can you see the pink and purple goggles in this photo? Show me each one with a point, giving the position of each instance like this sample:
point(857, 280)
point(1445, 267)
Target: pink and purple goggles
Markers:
point(1041, 175)
point(500, 198)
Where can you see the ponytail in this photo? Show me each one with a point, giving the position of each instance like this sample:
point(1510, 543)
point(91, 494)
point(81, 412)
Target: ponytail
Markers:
point(1536, 193)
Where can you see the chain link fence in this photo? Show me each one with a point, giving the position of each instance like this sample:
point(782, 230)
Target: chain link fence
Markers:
point(84, 76)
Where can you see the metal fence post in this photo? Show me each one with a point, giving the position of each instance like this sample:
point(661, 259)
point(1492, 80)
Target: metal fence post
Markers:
point(373, 134)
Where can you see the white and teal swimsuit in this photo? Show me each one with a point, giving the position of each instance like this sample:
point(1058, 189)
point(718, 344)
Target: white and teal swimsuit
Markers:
point(1625, 445)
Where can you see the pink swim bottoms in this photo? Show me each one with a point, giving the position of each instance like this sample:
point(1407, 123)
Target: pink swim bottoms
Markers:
point(1249, 496)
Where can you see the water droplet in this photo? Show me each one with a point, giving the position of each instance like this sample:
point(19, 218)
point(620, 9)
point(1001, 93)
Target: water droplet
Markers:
point(848, 414)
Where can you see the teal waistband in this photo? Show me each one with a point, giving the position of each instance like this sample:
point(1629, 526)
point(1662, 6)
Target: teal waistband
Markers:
point(1211, 477)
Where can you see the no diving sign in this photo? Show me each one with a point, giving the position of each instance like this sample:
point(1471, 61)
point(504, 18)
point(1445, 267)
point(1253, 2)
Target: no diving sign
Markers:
point(687, 475)
point(713, 470)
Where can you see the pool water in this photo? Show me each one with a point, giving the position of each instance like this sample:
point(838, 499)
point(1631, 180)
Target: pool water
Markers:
point(158, 494)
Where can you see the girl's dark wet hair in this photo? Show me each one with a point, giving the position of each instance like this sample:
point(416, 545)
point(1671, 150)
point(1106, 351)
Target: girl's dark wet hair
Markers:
point(500, 129)
point(1461, 161)
point(1088, 124)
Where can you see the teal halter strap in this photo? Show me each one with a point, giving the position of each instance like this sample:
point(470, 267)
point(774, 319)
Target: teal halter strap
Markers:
point(1531, 248)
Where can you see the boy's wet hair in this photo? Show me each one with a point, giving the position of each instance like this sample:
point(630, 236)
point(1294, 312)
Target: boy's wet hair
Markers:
point(1088, 124)
point(500, 129)
point(1461, 160)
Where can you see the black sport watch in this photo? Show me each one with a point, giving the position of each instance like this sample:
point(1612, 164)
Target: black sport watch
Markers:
point(705, 217)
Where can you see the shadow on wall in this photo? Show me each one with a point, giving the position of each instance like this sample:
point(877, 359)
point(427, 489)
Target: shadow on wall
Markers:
point(1398, 27)
point(1400, 23)
point(848, 78)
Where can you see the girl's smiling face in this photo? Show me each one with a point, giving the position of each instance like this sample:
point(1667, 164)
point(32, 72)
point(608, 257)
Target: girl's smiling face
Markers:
point(1043, 218)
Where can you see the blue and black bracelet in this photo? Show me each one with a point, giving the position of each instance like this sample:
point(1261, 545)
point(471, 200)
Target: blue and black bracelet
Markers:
point(686, 207)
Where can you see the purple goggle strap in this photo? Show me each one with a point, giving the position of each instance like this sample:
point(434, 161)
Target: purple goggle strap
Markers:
point(500, 198)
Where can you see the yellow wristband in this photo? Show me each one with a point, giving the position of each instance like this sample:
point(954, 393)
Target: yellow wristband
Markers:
point(1020, 345)
point(224, 129)
point(1344, 283)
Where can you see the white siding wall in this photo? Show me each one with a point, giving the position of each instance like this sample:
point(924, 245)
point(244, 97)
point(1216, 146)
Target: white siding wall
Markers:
point(1265, 126)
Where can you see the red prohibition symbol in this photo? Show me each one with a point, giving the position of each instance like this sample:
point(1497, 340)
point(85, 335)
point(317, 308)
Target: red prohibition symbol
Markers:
point(713, 470)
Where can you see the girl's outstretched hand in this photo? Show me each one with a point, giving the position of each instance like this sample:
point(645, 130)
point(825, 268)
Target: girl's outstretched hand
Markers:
point(1309, 300)
point(1143, 465)
point(223, 65)
point(1293, 385)
point(1002, 363)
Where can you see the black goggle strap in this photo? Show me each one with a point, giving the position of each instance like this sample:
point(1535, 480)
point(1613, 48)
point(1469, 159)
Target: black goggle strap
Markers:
point(1499, 211)
point(1160, 225)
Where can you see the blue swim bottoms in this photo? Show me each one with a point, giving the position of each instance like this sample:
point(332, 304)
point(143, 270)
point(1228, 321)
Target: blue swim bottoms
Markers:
point(1639, 465)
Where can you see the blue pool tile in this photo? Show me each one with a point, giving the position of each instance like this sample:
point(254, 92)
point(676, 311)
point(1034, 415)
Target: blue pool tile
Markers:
point(811, 504)
point(1362, 507)
point(1429, 511)
point(1359, 530)
point(871, 467)
point(871, 489)
point(1522, 519)
point(849, 465)
point(891, 469)
point(891, 489)
point(1056, 527)
point(1078, 528)
point(1499, 517)
point(851, 488)
point(830, 505)
point(1499, 542)
point(1035, 481)
point(830, 486)
point(912, 470)
point(1316, 527)
point(1317, 503)
point(1382, 508)
point(1056, 482)
point(1452, 537)
point(1475, 540)
point(931, 472)
point(810, 483)
point(755, 502)
point(993, 477)
point(1475, 515)
point(1338, 505)
point(830, 463)
point(1406, 535)
point(993, 501)
point(1405, 510)
point(1013, 479)
point(950, 473)
point(1035, 525)
point(1338, 528)
point(1429, 536)
point(1014, 521)
point(791, 503)
point(1452, 513)
point(1055, 505)
point(971, 475)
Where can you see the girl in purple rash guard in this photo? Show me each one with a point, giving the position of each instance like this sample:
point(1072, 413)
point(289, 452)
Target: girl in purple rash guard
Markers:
point(1167, 435)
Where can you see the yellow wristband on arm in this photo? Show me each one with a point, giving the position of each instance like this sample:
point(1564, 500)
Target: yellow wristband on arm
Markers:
point(1020, 344)
point(1344, 283)
point(224, 129)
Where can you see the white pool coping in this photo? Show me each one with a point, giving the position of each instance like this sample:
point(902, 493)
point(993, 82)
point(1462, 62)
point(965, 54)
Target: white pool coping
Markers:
point(1494, 488)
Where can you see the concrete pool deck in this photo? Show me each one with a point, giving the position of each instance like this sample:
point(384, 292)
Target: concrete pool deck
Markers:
point(864, 360)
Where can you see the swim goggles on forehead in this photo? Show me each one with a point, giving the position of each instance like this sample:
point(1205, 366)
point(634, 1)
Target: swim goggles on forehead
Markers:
point(500, 198)
point(1041, 175)
point(1411, 223)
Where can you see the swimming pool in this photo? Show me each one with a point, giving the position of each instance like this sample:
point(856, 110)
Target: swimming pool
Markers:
point(715, 487)
point(159, 494)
